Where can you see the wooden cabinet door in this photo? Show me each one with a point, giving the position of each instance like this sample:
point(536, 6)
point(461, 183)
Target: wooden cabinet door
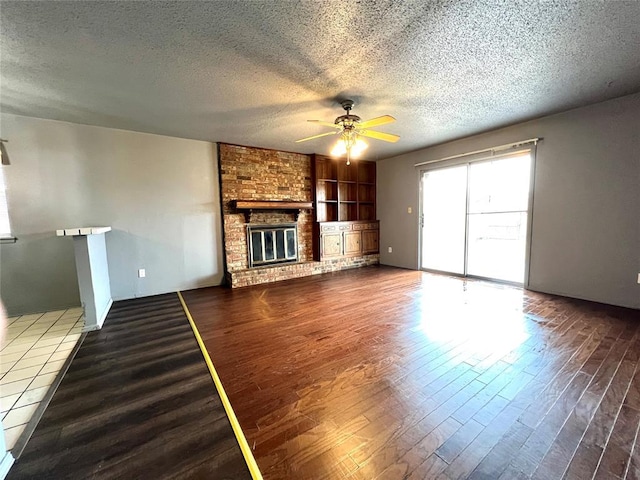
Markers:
point(331, 244)
point(352, 243)
point(370, 241)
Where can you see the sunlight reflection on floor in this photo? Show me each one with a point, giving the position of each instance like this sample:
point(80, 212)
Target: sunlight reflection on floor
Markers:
point(488, 315)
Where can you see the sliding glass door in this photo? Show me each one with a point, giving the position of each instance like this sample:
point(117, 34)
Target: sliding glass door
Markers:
point(475, 218)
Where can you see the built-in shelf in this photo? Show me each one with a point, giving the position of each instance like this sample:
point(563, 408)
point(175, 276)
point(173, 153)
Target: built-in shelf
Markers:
point(344, 192)
point(345, 214)
point(249, 206)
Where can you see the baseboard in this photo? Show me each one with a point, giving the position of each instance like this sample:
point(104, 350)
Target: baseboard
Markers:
point(578, 297)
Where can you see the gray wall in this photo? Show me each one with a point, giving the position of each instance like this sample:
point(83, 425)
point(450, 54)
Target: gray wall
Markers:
point(586, 212)
point(159, 194)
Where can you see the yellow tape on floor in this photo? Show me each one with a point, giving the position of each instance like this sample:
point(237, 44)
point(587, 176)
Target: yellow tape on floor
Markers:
point(242, 441)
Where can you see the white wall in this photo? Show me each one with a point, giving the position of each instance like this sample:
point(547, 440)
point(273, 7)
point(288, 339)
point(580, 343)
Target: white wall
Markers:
point(159, 194)
point(586, 212)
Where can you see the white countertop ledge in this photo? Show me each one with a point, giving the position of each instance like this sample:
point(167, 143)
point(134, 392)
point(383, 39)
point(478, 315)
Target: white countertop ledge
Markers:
point(72, 232)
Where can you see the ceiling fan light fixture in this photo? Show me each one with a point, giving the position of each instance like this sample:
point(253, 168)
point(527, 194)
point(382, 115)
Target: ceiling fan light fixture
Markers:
point(349, 144)
point(351, 128)
point(339, 149)
point(359, 147)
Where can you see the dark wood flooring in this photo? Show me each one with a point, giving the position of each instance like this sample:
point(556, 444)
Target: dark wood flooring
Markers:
point(383, 373)
point(137, 403)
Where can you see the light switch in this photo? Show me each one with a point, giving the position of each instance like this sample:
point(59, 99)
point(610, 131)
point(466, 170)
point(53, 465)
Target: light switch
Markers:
point(409, 210)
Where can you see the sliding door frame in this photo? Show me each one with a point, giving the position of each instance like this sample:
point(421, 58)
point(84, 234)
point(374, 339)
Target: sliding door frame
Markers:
point(531, 149)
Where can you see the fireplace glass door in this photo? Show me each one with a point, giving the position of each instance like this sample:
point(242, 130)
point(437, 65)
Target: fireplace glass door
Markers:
point(272, 244)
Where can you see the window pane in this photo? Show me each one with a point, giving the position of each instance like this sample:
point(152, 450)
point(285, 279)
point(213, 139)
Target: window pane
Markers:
point(280, 244)
point(5, 228)
point(499, 185)
point(268, 245)
point(256, 246)
point(497, 244)
point(291, 244)
point(444, 209)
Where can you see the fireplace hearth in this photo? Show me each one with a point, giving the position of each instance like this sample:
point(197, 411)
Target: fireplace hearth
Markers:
point(272, 244)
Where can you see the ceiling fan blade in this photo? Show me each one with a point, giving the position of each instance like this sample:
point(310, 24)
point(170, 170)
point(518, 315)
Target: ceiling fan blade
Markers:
point(374, 122)
point(386, 137)
point(315, 136)
point(326, 124)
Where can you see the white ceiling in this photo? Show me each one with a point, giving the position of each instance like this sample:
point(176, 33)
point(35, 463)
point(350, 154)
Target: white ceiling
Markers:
point(252, 72)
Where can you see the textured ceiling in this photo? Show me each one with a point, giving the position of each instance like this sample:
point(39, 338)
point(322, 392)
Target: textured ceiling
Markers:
point(252, 72)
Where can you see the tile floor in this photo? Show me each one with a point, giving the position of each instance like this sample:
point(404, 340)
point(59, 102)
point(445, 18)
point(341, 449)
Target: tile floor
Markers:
point(34, 351)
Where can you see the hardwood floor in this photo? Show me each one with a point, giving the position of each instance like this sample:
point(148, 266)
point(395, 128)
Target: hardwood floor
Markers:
point(137, 402)
point(382, 373)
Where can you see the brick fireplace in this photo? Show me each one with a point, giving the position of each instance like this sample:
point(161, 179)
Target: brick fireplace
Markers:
point(249, 173)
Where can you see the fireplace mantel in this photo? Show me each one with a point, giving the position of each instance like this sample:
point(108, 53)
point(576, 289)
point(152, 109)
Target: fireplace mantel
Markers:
point(248, 206)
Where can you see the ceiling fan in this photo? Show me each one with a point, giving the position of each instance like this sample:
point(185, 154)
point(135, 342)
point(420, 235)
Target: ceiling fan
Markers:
point(351, 128)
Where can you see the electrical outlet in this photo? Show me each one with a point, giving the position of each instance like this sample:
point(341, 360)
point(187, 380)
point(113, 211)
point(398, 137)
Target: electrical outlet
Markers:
point(142, 273)
point(390, 249)
point(409, 210)
point(639, 278)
